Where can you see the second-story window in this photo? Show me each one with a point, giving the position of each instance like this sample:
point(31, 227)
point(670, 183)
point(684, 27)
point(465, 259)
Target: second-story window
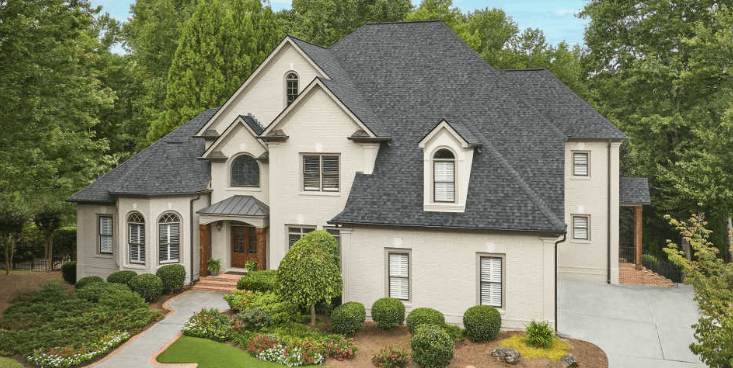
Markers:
point(321, 173)
point(580, 164)
point(444, 182)
point(245, 172)
point(291, 87)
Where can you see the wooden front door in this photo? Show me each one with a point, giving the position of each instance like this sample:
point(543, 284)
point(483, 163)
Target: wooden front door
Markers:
point(244, 245)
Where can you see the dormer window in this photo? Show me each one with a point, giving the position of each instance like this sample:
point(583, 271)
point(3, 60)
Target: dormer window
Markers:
point(245, 172)
point(291, 88)
point(444, 176)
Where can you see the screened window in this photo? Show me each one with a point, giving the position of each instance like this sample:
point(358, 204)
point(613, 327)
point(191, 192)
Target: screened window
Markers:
point(444, 183)
point(321, 173)
point(491, 282)
point(295, 233)
point(136, 237)
point(105, 234)
point(399, 276)
point(291, 87)
point(580, 163)
point(169, 238)
point(580, 227)
point(245, 172)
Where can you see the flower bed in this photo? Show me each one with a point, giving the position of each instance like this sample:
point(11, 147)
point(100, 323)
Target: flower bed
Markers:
point(269, 349)
point(209, 324)
point(70, 356)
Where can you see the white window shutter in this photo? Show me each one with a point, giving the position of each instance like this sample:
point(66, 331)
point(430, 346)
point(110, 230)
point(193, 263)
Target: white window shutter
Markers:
point(311, 173)
point(580, 164)
point(330, 173)
point(105, 232)
point(399, 278)
point(580, 227)
point(491, 281)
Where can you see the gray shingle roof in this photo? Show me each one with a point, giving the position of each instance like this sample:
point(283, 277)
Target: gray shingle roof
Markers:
point(561, 105)
point(634, 190)
point(253, 123)
point(238, 205)
point(168, 166)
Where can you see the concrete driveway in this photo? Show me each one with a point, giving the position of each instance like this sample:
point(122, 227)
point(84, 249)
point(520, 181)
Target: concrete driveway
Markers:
point(636, 325)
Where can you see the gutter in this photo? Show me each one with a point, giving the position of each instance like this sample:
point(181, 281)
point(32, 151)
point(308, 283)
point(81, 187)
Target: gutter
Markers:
point(608, 215)
point(564, 237)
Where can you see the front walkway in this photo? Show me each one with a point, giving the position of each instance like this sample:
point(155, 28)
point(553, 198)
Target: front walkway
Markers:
point(136, 353)
point(638, 326)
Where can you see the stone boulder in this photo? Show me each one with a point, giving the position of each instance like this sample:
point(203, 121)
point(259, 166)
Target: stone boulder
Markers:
point(509, 355)
point(568, 361)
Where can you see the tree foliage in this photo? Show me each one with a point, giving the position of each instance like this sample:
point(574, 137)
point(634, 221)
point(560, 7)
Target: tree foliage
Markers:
point(713, 282)
point(13, 215)
point(309, 273)
point(48, 220)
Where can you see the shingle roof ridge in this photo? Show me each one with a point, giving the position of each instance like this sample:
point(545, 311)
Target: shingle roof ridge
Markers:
point(308, 42)
point(405, 22)
point(523, 69)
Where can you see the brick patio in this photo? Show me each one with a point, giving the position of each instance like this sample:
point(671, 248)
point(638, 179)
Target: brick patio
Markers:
point(627, 274)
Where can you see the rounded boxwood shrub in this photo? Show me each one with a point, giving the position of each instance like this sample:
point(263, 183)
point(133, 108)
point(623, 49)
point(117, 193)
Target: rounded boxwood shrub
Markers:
point(482, 323)
point(121, 277)
point(424, 316)
point(388, 312)
point(84, 281)
point(431, 346)
point(263, 281)
point(68, 272)
point(348, 318)
point(111, 294)
point(147, 285)
point(172, 276)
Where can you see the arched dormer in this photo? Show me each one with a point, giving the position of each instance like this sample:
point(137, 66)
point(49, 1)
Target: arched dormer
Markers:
point(447, 159)
point(292, 87)
point(244, 172)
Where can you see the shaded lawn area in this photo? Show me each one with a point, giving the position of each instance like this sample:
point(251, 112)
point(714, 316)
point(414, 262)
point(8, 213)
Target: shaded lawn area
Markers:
point(10, 363)
point(210, 354)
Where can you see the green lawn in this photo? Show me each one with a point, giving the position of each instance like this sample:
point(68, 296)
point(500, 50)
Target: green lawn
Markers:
point(210, 354)
point(9, 363)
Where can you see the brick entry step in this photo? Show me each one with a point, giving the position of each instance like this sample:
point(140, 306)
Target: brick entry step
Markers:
point(223, 282)
point(628, 274)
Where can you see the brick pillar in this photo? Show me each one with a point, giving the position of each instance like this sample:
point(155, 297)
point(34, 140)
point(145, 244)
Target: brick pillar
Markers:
point(261, 248)
point(204, 248)
point(637, 237)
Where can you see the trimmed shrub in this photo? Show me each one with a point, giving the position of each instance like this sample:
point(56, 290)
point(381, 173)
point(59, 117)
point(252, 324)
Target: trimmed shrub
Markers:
point(391, 358)
point(431, 347)
point(209, 324)
point(172, 277)
point(254, 318)
point(121, 277)
point(539, 334)
point(424, 316)
point(84, 281)
point(68, 272)
point(482, 323)
point(111, 294)
point(456, 333)
point(388, 312)
point(147, 285)
point(263, 281)
point(279, 309)
point(348, 318)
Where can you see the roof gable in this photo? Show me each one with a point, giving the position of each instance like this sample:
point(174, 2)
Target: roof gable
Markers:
point(241, 122)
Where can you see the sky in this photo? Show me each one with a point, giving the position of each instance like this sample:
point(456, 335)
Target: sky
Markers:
point(556, 18)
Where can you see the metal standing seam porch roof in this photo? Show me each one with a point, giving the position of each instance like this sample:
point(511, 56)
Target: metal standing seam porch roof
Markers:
point(238, 205)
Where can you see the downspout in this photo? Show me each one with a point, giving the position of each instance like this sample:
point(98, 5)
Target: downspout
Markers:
point(564, 236)
point(608, 215)
point(190, 212)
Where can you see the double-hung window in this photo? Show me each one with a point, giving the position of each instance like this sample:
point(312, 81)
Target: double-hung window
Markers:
point(105, 234)
point(580, 164)
point(297, 232)
point(321, 173)
point(136, 237)
point(169, 238)
point(580, 227)
point(399, 275)
point(444, 178)
point(491, 281)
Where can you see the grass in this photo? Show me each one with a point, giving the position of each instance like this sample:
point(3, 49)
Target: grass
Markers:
point(558, 349)
point(210, 354)
point(10, 363)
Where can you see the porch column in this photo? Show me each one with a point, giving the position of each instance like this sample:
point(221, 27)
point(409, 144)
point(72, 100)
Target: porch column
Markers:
point(637, 237)
point(261, 248)
point(204, 248)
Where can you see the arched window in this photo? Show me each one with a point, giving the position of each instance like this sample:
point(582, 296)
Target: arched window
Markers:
point(291, 87)
point(245, 172)
point(136, 237)
point(169, 237)
point(444, 178)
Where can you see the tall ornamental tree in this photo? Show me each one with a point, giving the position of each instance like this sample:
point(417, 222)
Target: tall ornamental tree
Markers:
point(48, 220)
point(309, 273)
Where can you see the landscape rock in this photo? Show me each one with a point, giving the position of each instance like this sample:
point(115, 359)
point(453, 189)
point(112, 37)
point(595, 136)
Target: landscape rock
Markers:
point(509, 355)
point(568, 361)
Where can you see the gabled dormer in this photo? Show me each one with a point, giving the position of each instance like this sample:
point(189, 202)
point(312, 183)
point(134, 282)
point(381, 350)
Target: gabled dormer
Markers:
point(447, 159)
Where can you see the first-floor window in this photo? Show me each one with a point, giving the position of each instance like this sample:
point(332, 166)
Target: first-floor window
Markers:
point(136, 238)
point(105, 234)
point(491, 283)
point(297, 232)
point(399, 275)
point(580, 227)
point(169, 238)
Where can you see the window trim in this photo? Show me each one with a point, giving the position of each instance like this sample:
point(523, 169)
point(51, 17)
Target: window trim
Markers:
point(286, 79)
point(387, 277)
point(231, 174)
point(437, 160)
point(301, 233)
point(100, 235)
point(141, 250)
point(320, 156)
point(587, 227)
point(180, 236)
point(587, 164)
point(502, 257)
